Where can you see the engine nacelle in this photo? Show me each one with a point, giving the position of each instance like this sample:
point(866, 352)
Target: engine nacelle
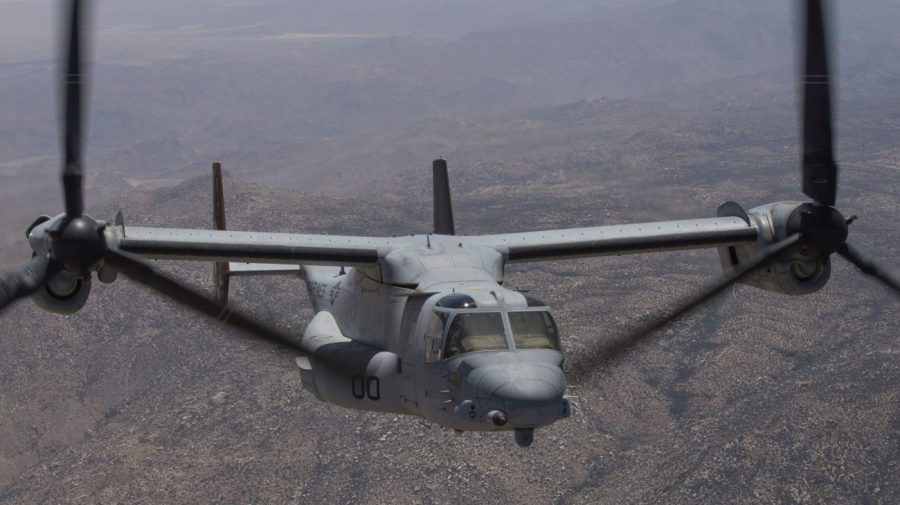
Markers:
point(792, 274)
point(64, 294)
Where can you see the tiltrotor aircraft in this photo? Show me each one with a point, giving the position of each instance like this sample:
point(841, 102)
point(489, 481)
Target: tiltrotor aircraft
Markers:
point(422, 324)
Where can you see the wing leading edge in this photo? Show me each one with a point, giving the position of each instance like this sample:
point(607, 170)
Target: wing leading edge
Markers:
point(620, 239)
point(249, 247)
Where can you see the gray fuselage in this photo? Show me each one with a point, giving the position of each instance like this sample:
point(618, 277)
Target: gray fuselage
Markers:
point(450, 344)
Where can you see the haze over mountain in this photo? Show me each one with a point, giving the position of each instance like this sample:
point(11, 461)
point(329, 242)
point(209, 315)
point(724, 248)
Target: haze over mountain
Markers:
point(257, 94)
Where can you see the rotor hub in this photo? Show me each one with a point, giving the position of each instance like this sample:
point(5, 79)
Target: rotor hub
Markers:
point(78, 243)
point(824, 229)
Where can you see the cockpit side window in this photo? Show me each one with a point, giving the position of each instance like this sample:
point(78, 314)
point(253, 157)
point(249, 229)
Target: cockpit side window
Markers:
point(476, 331)
point(534, 330)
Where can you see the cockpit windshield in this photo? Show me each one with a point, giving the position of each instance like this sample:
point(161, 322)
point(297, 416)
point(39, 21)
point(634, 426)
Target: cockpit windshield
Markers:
point(475, 331)
point(534, 330)
point(462, 331)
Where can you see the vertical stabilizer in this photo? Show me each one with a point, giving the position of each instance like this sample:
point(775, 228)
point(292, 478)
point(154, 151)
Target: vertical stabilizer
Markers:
point(443, 205)
point(221, 273)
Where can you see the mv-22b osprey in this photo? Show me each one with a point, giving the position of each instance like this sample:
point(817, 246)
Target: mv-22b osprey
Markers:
point(422, 324)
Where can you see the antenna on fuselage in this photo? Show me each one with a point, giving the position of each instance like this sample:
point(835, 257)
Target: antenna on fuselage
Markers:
point(443, 205)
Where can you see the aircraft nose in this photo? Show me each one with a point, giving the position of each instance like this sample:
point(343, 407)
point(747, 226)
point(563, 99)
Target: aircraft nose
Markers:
point(529, 394)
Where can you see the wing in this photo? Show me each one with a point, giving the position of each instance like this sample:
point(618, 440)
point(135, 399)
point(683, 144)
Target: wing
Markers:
point(340, 250)
point(249, 247)
point(262, 269)
point(621, 239)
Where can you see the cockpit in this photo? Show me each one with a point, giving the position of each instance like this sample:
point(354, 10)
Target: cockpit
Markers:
point(458, 327)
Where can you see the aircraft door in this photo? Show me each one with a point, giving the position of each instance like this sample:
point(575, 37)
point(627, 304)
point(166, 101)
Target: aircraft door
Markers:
point(408, 348)
point(434, 385)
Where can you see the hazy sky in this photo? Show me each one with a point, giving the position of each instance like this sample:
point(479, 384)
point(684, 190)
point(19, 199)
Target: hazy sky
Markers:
point(26, 26)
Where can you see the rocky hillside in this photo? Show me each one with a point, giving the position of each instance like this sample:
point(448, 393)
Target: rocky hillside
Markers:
point(758, 397)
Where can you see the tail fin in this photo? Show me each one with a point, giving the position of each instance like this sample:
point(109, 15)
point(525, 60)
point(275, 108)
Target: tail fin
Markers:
point(221, 272)
point(443, 205)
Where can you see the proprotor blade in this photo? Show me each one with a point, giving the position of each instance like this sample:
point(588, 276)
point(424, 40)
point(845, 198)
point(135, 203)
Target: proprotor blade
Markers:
point(141, 272)
point(587, 363)
point(72, 173)
point(443, 205)
point(22, 282)
point(819, 167)
point(868, 266)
